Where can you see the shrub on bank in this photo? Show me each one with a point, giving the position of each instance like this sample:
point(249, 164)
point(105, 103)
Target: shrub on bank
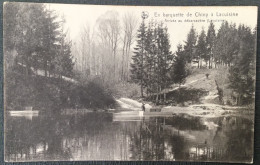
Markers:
point(48, 93)
point(180, 96)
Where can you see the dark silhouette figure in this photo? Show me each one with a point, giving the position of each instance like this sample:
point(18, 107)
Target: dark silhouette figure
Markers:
point(207, 75)
point(220, 93)
point(143, 107)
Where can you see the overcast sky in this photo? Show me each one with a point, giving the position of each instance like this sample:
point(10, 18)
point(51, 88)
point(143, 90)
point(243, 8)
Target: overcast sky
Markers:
point(79, 15)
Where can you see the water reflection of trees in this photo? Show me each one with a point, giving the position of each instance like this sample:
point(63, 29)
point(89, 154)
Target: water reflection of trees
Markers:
point(185, 122)
point(94, 136)
point(232, 140)
point(62, 137)
point(179, 147)
point(235, 137)
point(147, 142)
point(38, 139)
point(151, 142)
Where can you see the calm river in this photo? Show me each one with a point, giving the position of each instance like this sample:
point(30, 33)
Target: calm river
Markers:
point(101, 136)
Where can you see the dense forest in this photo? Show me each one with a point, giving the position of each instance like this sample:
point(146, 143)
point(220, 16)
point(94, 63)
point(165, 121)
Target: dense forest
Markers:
point(155, 67)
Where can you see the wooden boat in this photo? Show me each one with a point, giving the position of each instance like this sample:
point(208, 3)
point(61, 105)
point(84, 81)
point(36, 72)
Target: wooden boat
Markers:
point(158, 114)
point(138, 115)
point(27, 111)
point(23, 112)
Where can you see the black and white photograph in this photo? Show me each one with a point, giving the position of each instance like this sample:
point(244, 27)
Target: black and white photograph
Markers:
point(129, 83)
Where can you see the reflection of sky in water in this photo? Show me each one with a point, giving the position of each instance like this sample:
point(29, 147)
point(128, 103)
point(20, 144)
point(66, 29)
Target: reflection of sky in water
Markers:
point(95, 136)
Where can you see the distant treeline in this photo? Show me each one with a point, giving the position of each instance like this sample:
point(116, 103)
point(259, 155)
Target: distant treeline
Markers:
point(155, 67)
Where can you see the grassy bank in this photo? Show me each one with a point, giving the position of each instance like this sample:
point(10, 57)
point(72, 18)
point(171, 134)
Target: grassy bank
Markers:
point(48, 93)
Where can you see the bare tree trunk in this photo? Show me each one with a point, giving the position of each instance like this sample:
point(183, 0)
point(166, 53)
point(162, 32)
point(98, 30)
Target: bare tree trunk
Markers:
point(157, 95)
point(209, 62)
point(164, 96)
point(123, 58)
point(128, 45)
point(129, 26)
point(45, 68)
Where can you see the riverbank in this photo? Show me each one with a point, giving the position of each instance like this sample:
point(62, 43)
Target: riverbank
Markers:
point(200, 110)
point(210, 110)
point(51, 93)
point(198, 96)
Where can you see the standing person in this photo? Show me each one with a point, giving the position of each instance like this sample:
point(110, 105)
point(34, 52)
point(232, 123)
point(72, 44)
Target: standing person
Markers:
point(143, 107)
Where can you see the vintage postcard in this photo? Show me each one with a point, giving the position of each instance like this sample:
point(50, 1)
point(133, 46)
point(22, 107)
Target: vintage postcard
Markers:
point(129, 83)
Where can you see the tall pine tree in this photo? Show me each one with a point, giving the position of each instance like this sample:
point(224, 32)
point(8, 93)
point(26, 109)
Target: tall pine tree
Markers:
point(210, 39)
point(137, 65)
point(242, 72)
point(226, 44)
point(150, 55)
point(29, 34)
point(190, 44)
point(179, 71)
point(151, 62)
point(167, 58)
point(201, 50)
